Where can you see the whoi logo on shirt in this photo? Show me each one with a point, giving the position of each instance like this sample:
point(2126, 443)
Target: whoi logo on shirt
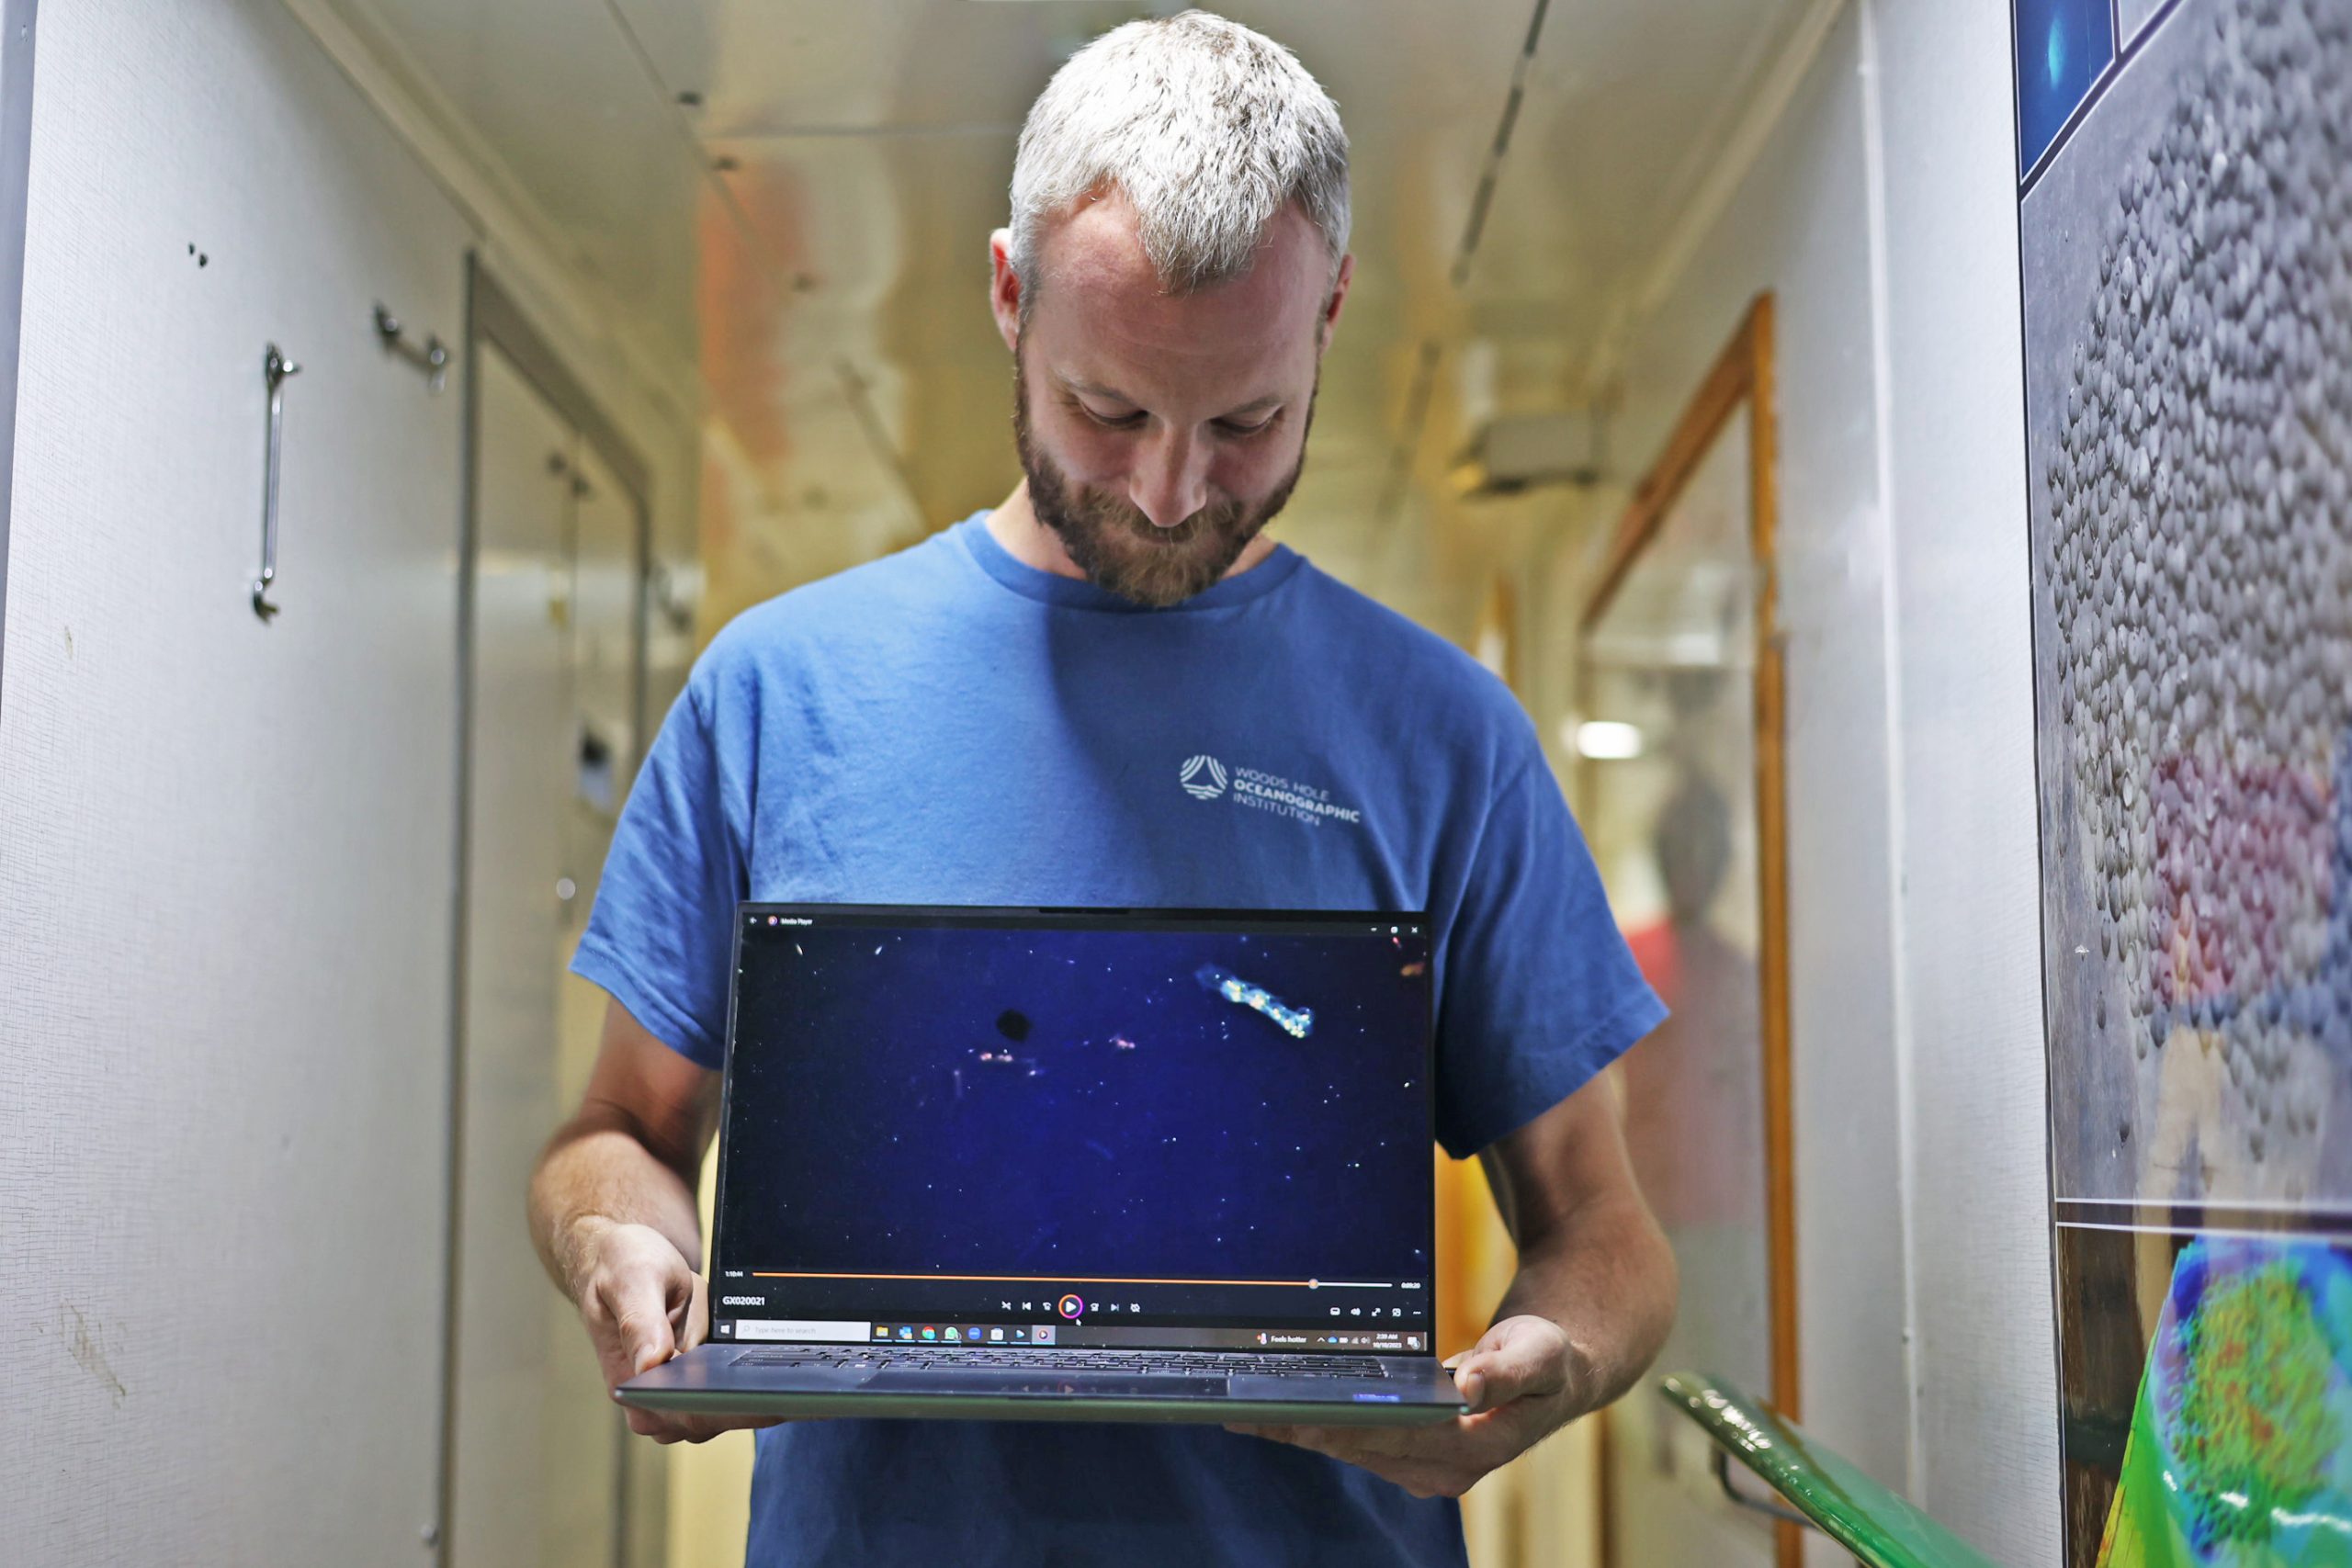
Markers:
point(1205, 778)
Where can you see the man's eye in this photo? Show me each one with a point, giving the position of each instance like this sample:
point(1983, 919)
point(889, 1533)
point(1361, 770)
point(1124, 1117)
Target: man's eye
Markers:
point(1122, 421)
point(1233, 428)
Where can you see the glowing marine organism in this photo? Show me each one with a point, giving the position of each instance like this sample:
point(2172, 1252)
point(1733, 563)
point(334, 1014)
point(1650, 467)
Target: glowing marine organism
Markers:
point(1297, 1023)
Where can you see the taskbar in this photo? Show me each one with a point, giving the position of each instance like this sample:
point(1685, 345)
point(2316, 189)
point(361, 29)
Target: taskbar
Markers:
point(1002, 1335)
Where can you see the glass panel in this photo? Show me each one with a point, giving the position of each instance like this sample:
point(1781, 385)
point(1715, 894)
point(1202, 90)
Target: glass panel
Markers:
point(1670, 803)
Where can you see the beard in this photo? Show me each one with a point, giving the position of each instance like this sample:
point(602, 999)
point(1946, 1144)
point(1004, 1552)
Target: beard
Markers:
point(1122, 551)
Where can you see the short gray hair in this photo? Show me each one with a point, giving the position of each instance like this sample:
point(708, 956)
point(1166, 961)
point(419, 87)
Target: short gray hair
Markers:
point(1207, 128)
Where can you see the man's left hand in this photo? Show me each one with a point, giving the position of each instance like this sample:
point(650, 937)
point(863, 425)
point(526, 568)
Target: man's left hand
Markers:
point(1522, 1380)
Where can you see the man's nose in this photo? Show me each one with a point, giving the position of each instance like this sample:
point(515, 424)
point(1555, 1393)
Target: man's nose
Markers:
point(1170, 478)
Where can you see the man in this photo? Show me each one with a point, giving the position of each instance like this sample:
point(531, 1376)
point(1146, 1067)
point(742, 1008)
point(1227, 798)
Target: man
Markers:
point(1002, 715)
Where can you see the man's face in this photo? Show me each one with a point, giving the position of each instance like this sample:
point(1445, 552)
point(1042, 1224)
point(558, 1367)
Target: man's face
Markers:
point(1160, 434)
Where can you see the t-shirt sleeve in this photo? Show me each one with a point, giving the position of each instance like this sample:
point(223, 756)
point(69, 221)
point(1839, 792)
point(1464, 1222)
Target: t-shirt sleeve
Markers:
point(1540, 992)
point(660, 938)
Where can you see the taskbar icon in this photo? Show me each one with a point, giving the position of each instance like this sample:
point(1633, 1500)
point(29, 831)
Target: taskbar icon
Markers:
point(961, 1333)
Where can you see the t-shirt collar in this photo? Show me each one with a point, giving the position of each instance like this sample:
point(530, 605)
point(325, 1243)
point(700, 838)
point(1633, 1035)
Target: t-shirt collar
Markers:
point(1047, 588)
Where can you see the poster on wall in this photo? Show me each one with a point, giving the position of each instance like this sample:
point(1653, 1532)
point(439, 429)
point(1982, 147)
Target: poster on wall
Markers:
point(2185, 228)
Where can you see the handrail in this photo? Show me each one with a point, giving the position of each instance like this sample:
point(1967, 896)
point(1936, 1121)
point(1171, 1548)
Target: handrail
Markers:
point(1869, 1520)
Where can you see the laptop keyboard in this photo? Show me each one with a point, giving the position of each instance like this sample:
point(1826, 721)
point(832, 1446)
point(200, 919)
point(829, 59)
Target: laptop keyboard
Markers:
point(1227, 1363)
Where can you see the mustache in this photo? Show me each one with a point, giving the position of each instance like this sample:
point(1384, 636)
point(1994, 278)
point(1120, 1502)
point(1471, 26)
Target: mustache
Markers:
point(1215, 517)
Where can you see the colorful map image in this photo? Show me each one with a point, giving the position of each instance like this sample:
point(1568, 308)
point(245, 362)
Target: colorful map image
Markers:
point(2237, 1453)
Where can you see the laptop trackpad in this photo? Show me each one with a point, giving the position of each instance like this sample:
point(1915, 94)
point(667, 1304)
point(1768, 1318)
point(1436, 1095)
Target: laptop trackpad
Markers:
point(1049, 1384)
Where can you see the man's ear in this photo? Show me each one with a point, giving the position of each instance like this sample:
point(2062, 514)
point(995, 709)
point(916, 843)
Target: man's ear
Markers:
point(1004, 290)
point(1338, 300)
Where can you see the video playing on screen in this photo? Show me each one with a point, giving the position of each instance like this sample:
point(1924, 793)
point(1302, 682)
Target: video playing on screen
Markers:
point(995, 1103)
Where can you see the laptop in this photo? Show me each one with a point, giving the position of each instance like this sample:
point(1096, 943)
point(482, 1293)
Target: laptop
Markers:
point(1078, 1164)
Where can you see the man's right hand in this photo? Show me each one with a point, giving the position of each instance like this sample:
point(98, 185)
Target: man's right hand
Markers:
point(612, 1211)
point(642, 1305)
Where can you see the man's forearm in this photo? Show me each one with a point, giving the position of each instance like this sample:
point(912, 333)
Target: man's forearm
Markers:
point(1605, 1274)
point(597, 1171)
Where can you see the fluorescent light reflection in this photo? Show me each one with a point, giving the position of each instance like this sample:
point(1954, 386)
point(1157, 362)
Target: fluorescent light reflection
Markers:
point(1608, 740)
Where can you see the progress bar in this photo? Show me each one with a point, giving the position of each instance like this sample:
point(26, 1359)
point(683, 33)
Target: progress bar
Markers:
point(1075, 1280)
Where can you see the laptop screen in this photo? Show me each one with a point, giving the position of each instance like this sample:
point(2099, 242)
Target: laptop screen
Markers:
point(1003, 1127)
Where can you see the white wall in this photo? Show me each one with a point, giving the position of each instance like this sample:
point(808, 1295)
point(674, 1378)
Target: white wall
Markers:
point(227, 848)
point(1986, 1452)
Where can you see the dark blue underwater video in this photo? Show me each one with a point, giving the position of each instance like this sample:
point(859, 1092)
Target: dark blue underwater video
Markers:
point(1177, 1104)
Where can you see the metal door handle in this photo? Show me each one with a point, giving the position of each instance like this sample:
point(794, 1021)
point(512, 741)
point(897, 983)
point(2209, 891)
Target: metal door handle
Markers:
point(275, 368)
point(433, 358)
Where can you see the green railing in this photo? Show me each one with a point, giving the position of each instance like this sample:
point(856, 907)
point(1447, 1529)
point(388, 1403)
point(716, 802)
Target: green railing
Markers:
point(1825, 1490)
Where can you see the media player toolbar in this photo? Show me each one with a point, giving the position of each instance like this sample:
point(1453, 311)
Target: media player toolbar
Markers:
point(892, 1299)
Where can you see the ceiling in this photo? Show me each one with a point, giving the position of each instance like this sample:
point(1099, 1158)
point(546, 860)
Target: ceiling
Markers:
point(797, 197)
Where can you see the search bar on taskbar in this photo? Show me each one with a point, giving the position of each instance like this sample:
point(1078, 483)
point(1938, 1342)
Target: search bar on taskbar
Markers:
point(799, 1328)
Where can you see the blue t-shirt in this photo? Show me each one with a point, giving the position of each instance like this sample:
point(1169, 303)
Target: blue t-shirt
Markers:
point(948, 726)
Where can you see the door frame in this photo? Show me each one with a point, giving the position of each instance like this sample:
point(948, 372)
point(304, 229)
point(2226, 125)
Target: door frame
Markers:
point(494, 318)
point(1741, 377)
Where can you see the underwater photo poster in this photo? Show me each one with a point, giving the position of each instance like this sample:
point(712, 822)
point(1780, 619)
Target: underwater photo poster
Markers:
point(2184, 231)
